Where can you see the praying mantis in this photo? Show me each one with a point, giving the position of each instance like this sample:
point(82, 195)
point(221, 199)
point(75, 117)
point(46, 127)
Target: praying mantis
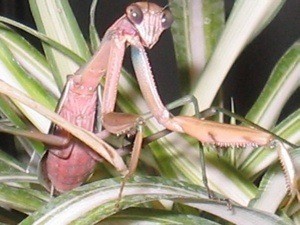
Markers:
point(140, 27)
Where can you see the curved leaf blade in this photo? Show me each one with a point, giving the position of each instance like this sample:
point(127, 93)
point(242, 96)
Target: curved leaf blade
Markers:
point(30, 58)
point(94, 37)
point(283, 82)
point(154, 217)
point(51, 42)
point(94, 202)
point(246, 19)
point(261, 158)
point(15, 75)
point(273, 188)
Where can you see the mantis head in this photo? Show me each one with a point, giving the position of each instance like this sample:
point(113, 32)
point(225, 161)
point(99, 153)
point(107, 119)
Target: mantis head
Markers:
point(150, 20)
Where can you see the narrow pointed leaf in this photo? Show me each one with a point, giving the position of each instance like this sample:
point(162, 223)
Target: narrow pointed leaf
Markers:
point(94, 37)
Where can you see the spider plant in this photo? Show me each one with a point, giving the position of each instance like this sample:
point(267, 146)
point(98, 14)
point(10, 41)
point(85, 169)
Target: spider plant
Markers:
point(206, 47)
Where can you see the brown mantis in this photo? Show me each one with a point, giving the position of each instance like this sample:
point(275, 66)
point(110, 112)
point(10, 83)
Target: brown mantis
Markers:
point(140, 27)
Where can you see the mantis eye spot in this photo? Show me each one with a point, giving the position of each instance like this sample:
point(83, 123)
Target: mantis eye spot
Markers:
point(134, 14)
point(166, 19)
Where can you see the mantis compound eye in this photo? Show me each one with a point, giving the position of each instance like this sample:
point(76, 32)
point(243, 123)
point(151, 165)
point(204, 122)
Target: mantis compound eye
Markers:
point(166, 19)
point(134, 14)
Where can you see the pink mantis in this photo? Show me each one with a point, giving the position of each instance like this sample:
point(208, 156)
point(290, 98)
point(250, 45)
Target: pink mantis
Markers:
point(67, 165)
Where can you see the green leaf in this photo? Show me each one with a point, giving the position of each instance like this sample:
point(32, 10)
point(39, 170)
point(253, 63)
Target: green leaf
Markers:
point(56, 45)
point(56, 20)
point(24, 200)
point(30, 59)
point(9, 163)
point(18, 177)
point(94, 202)
point(94, 37)
point(15, 75)
point(154, 217)
point(273, 188)
point(196, 28)
point(227, 180)
point(283, 82)
point(213, 23)
point(12, 172)
point(10, 112)
point(244, 23)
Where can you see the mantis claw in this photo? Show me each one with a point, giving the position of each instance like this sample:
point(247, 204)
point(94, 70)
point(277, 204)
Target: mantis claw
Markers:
point(290, 171)
point(211, 195)
point(121, 123)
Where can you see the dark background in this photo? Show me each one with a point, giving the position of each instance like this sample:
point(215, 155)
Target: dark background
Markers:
point(247, 76)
